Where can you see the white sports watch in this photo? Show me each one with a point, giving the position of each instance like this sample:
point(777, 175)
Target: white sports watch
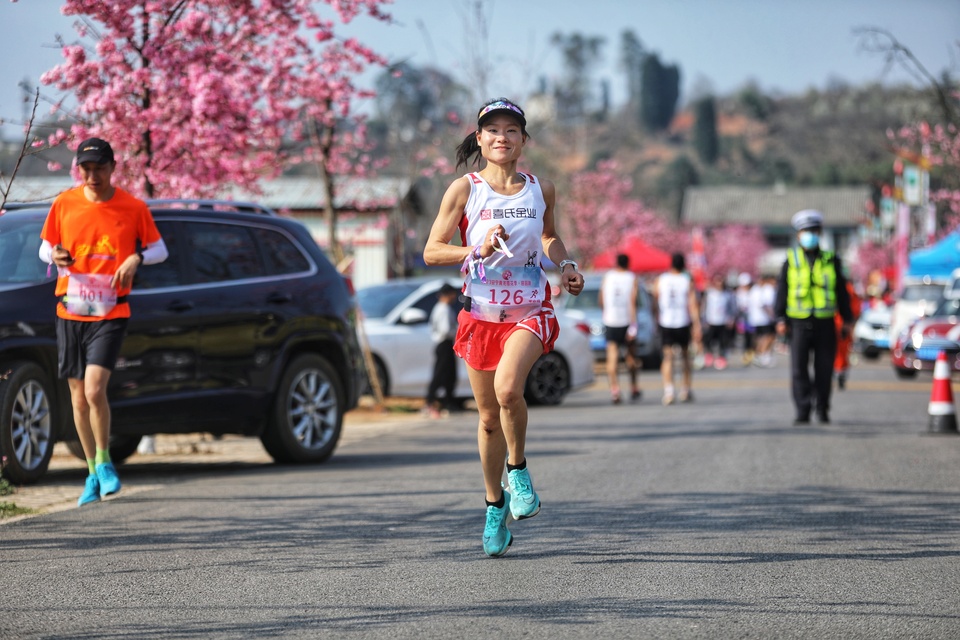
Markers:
point(564, 263)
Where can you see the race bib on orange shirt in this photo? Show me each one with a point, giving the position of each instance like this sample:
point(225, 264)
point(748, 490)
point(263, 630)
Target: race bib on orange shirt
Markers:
point(90, 294)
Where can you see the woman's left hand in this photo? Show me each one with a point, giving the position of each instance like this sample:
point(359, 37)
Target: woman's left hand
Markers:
point(572, 281)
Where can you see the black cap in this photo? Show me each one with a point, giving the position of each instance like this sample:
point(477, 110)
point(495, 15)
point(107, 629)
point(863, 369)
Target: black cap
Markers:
point(94, 150)
point(447, 289)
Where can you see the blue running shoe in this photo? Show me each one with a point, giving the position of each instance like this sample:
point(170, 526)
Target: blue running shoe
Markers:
point(91, 491)
point(109, 482)
point(524, 501)
point(496, 537)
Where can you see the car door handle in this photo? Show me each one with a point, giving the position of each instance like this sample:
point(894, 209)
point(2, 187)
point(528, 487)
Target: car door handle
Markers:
point(180, 305)
point(278, 297)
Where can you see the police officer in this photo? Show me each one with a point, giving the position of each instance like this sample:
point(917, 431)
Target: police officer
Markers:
point(810, 291)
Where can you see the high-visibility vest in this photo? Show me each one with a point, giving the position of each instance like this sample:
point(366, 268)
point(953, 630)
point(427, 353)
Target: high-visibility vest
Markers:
point(811, 289)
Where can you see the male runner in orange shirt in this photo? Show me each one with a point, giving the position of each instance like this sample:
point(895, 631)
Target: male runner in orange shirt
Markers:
point(91, 234)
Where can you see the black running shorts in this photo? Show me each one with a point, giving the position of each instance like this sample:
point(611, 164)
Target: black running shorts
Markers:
point(679, 336)
point(82, 343)
point(617, 335)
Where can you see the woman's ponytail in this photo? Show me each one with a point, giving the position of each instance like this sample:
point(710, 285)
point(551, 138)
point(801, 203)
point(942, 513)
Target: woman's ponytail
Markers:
point(466, 149)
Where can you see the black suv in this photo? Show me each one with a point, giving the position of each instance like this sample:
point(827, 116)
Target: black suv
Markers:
point(246, 328)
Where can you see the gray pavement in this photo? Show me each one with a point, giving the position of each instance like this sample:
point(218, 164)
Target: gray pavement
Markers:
point(716, 519)
point(61, 486)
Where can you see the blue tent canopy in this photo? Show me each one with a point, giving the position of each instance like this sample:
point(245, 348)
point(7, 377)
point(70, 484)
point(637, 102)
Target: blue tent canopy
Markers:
point(938, 260)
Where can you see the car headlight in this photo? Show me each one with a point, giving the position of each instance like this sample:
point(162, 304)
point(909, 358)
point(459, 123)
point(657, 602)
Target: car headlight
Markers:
point(917, 340)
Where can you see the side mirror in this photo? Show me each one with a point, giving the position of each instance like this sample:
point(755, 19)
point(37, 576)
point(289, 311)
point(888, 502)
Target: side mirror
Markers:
point(413, 316)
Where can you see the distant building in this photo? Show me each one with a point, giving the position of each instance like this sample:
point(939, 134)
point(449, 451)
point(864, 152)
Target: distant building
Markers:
point(770, 208)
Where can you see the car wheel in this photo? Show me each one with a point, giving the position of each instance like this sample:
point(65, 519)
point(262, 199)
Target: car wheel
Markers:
point(905, 374)
point(121, 447)
point(549, 380)
point(27, 422)
point(308, 412)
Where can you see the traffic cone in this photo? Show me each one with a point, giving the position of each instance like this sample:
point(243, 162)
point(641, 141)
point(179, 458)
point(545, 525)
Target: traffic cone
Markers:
point(943, 415)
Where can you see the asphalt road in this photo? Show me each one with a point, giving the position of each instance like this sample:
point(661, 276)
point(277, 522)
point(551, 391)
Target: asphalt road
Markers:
point(717, 519)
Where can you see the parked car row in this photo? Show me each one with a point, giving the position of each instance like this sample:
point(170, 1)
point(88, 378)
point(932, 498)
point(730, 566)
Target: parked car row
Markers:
point(871, 333)
point(918, 346)
point(246, 328)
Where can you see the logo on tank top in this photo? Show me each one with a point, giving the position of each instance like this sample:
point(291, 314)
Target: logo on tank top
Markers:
point(513, 213)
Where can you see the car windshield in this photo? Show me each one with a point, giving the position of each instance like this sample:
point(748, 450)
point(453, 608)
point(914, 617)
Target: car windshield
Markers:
point(378, 300)
point(948, 307)
point(589, 298)
point(586, 300)
point(19, 246)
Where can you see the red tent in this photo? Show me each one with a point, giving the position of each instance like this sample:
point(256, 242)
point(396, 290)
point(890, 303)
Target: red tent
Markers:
point(643, 257)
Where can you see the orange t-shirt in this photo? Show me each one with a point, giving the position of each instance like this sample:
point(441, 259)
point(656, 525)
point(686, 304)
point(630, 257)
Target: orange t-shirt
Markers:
point(99, 236)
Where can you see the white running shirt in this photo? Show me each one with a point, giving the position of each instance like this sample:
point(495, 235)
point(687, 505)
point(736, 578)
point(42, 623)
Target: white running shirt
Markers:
point(717, 306)
point(617, 287)
point(673, 298)
point(515, 287)
point(760, 305)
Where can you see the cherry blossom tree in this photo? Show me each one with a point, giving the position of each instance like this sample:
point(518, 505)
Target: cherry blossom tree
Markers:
point(196, 93)
point(938, 143)
point(734, 248)
point(599, 214)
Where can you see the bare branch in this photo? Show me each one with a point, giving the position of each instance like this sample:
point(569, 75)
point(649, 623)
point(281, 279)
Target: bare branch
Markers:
point(7, 185)
point(881, 41)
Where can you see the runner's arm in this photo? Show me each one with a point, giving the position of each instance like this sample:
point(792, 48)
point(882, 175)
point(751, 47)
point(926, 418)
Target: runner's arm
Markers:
point(438, 251)
point(155, 252)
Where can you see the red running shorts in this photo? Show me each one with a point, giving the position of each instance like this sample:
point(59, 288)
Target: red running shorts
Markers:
point(480, 343)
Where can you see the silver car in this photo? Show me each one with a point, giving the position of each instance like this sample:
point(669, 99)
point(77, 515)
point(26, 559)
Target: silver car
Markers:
point(585, 308)
point(396, 325)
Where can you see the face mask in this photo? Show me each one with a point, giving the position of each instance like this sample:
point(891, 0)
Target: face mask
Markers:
point(809, 240)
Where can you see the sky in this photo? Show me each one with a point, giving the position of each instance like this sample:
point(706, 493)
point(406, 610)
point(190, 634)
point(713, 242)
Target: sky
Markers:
point(784, 46)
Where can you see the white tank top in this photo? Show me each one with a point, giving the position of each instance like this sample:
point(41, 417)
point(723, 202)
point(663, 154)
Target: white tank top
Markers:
point(516, 287)
point(617, 288)
point(673, 291)
point(716, 306)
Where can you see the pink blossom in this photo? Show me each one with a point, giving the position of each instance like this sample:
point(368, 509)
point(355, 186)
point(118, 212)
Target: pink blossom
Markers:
point(197, 94)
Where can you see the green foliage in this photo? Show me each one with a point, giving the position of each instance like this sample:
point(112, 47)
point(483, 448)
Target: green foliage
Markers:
point(827, 174)
point(660, 91)
point(10, 509)
point(679, 174)
point(631, 59)
point(705, 139)
point(5, 487)
point(756, 104)
point(580, 55)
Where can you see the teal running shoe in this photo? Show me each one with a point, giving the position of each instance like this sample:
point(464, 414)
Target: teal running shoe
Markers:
point(91, 491)
point(524, 501)
point(496, 536)
point(109, 482)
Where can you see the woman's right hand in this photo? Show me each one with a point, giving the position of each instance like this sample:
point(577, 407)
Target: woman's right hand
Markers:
point(488, 247)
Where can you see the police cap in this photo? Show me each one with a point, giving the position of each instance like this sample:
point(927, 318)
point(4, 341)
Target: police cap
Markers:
point(807, 219)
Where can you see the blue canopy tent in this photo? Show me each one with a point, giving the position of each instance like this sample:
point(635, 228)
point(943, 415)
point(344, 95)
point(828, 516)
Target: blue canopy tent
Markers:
point(938, 260)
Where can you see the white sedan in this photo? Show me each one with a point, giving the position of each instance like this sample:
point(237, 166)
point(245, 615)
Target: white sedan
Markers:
point(396, 318)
